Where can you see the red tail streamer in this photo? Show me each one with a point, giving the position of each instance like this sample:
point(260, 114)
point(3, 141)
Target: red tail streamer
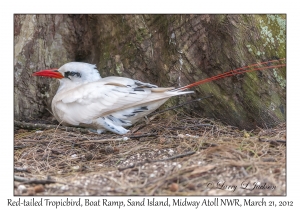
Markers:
point(242, 70)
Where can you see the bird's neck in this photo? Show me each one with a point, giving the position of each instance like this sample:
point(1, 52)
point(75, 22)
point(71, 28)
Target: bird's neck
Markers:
point(66, 85)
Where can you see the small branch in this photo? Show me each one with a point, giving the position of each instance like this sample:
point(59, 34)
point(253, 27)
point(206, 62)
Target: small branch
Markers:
point(159, 160)
point(175, 156)
point(36, 181)
point(19, 147)
point(35, 126)
point(124, 138)
point(106, 140)
point(272, 141)
point(142, 135)
point(20, 179)
point(33, 181)
point(19, 169)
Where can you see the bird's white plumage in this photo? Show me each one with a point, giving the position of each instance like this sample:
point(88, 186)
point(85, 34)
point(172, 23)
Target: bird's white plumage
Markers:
point(111, 103)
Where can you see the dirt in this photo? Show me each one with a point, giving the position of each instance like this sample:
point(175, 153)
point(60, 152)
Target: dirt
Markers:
point(175, 156)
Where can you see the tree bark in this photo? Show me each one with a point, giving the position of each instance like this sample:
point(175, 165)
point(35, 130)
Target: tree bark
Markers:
point(166, 50)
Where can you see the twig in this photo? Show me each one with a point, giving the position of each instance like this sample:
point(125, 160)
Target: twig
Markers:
point(105, 140)
point(124, 138)
point(142, 135)
point(19, 147)
point(34, 126)
point(36, 181)
point(19, 169)
point(175, 156)
point(20, 179)
point(159, 160)
point(272, 141)
point(48, 181)
point(33, 181)
point(46, 141)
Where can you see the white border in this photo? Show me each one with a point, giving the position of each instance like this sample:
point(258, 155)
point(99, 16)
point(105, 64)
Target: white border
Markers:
point(154, 6)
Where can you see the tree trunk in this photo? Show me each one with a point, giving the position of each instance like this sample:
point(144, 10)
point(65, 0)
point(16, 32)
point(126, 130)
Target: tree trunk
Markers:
point(166, 50)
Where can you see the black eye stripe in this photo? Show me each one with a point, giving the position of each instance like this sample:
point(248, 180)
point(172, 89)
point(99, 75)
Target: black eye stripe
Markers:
point(72, 73)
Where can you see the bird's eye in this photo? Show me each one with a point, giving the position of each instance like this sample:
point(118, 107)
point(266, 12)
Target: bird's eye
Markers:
point(72, 73)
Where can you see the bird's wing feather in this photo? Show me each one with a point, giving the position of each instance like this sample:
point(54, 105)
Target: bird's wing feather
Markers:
point(93, 100)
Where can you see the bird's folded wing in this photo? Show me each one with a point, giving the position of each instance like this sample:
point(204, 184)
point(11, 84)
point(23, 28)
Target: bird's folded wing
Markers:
point(93, 100)
point(125, 82)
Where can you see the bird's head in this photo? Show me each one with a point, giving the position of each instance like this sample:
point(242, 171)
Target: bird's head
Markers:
point(72, 72)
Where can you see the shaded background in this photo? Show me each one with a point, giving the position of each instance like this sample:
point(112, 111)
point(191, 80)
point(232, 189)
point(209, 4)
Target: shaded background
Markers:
point(166, 50)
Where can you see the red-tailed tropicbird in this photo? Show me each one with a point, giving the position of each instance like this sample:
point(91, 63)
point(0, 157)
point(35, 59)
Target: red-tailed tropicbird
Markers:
point(111, 103)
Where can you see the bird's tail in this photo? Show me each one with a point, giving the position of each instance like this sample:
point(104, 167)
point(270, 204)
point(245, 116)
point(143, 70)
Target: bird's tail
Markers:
point(254, 67)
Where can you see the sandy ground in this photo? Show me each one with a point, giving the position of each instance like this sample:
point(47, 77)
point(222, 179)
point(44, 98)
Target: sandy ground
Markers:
point(175, 156)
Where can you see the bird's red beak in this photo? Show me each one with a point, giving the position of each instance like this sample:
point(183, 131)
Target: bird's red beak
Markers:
point(49, 73)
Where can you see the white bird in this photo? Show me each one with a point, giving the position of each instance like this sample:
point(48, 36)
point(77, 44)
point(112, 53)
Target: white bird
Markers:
point(111, 103)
